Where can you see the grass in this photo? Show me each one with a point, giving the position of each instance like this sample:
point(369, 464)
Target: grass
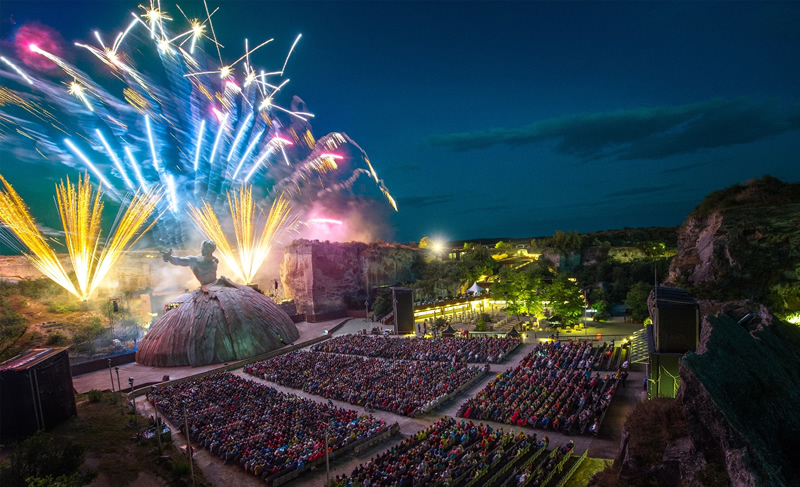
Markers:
point(107, 435)
point(586, 471)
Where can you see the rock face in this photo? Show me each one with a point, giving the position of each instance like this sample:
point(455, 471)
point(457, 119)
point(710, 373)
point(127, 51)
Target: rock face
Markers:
point(218, 323)
point(741, 243)
point(735, 417)
point(324, 278)
point(740, 392)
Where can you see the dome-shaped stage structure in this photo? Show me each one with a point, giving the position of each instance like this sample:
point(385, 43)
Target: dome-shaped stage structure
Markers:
point(220, 322)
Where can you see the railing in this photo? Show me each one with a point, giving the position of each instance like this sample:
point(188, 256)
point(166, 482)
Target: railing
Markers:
point(572, 469)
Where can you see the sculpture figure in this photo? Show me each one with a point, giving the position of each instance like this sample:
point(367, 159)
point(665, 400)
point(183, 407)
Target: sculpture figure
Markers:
point(204, 266)
point(220, 322)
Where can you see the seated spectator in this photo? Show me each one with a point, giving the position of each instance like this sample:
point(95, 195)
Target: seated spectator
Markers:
point(402, 387)
point(266, 432)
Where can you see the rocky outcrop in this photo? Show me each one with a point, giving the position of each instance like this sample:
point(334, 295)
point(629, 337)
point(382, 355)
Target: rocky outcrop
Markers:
point(741, 243)
point(740, 392)
point(734, 421)
point(219, 323)
point(329, 277)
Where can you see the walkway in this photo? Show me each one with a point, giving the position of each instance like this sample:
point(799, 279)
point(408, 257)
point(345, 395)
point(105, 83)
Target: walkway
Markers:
point(603, 446)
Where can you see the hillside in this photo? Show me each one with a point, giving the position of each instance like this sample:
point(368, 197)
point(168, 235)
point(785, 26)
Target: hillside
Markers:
point(743, 242)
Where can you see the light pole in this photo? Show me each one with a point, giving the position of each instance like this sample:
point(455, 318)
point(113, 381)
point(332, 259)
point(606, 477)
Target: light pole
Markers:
point(188, 442)
point(327, 453)
point(366, 310)
point(133, 401)
point(111, 375)
point(119, 389)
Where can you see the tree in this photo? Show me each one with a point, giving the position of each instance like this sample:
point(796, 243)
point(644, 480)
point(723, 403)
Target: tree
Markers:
point(521, 289)
point(425, 242)
point(43, 455)
point(566, 300)
point(500, 245)
point(566, 243)
point(477, 263)
point(636, 300)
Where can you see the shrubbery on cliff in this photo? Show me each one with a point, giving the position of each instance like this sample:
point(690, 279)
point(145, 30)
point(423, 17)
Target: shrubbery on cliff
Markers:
point(767, 191)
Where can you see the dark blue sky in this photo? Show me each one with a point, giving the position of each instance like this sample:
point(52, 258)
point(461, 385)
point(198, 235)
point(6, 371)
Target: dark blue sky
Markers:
point(515, 119)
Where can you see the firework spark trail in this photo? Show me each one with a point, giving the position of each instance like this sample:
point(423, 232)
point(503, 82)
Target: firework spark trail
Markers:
point(164, 125)
point(251, 250)
point(15, 215)
point(80, 210)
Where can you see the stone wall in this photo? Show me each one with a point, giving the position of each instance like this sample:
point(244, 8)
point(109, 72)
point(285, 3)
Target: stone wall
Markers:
point(329, 277)
point(134, 270)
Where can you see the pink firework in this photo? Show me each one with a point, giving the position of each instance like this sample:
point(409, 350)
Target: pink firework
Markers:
point(39, 35)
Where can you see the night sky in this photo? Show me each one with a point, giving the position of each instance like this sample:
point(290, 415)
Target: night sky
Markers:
point(515, 119)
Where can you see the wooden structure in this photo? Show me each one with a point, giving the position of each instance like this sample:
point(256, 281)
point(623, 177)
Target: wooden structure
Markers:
point(35, 392)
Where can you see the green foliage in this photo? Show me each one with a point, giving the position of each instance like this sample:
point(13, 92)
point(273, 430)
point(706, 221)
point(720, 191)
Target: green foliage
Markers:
point(767, 191)
point(12, 328)
point(652, 425)
point(56, 339)
point(621, 276)
point(521, 288)
point(566, 300)
point(478, 262)
point(424, 242)
point(503, 245)
point(95, 327)
point(383, 302)
point(31, 288)
point(181, 468)
point(63, 307)
point(94, 395)
point(41, 456)
point(565, 243)
point(636, 300)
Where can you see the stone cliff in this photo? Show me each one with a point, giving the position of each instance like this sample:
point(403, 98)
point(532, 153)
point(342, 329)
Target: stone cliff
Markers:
point(734, 421)
point(740, 392)
point(742, 242)
point(328, 277)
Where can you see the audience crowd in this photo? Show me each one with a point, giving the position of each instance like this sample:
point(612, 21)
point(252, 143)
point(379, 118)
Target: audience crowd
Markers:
point(447, 451)
point(536, 473)
point(472, 349)
point(266, 432)
point(553, 388)
point(398, 386)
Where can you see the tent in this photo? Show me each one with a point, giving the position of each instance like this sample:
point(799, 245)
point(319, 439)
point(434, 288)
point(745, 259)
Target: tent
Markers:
point(449, 331)
point(513, 332)
point(475, 289)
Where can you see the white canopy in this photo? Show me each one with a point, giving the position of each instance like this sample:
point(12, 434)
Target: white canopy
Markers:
point(475, 289)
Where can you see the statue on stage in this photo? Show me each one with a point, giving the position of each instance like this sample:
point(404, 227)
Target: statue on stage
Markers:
point(220, 322)
point(204, 266)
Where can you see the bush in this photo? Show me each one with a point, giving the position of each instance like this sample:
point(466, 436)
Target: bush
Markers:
point(56, 339)
point(95, 395)
point(181, 468)
point(40, 456)
point(62, 307)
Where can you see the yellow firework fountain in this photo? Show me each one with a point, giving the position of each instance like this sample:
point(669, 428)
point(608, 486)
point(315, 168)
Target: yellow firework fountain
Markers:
point(251, 249)
point(80, 208)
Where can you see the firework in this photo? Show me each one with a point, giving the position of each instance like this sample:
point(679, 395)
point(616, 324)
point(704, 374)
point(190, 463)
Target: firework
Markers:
point(80, 209)
point(215, 126)
point(251, 249)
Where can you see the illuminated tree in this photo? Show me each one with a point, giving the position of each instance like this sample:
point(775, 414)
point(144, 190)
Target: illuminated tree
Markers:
point(566, 300)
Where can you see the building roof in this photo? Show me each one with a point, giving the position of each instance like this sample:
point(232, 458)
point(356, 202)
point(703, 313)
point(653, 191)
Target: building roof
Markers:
point(29, 358)
point(670, 298)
